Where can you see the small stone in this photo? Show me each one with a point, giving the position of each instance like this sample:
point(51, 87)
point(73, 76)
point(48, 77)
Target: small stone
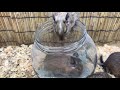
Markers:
point(100, 75)
point(8, 49)
point(6, 63)
point(98, 69)
point(1, 49)
point(0, 61)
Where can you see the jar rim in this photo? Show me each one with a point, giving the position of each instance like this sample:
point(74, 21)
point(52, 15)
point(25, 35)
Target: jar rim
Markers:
point(64, 49)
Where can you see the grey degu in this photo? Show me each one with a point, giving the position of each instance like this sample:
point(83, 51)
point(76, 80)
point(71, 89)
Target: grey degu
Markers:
point(64, 22)
point(112, 64)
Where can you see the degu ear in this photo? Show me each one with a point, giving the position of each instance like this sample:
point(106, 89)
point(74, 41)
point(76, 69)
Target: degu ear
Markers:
point(53, 17)
point(54, 14)
point(67, 16)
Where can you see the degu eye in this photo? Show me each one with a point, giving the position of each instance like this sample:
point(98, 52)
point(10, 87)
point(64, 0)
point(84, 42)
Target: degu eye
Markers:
point(64, 21)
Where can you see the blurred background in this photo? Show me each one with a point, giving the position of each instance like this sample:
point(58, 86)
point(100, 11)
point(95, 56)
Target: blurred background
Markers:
point(18, 28)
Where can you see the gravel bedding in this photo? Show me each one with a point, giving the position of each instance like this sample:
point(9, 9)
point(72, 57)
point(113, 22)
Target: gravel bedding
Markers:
point(16, 62)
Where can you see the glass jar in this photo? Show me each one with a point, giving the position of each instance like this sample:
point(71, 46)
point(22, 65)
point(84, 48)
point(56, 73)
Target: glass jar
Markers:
point(74, 57)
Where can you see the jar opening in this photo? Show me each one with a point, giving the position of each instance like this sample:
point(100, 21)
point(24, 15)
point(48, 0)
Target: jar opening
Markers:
point(45, 41)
